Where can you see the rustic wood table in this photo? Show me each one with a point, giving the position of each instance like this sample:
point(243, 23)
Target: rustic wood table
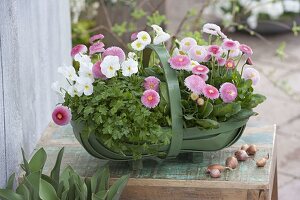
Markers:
point(179, 179)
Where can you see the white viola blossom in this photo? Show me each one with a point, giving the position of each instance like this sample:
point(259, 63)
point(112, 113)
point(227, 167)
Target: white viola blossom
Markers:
point(132, 55)
point(144, 37)
point(75, 90)
point(85, 85)
point(68, 72)
point(161, 36)
point(82, 59)
point(86, 71)
point(129, 67)
point(137, 45)
point(110, 65)
point(56, 86)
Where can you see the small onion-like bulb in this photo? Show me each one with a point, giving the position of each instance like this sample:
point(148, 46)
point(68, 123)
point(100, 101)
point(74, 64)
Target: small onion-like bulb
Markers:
point(231, 162)
point(251, 149)
point(244, 147)
point(215, 173)
point(262, 162)
point(241, 155)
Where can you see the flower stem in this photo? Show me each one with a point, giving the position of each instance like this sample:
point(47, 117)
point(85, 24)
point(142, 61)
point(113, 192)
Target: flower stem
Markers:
point(205, 105)
point(213, 71)
point(237, 64)
point(242, 69)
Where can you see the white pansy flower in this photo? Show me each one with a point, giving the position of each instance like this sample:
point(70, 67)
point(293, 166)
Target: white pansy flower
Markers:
point(138, 45)
point(75, 90)
point(157, 29)
point(110, 65)
point(132, 55)
point(56, 86)
point(160, 38)
point(144, 37)
point(86, 71)
point(68, 72)
point(85, 84)
point(129, 67)
point(82, 59)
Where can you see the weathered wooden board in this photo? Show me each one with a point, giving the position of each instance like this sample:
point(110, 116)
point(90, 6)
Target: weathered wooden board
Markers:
point(35, 40)
point(178, 177)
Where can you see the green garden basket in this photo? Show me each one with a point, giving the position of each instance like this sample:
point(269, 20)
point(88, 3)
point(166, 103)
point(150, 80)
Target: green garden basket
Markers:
point(184, 140)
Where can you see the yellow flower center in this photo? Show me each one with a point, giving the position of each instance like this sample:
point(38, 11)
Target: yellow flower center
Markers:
point(144, 37)
point(138, 44)
point(86, 87)
point(149, 98)
point(129, 68)
point(59, 116)
point(230, 65)
point(110, 68)
point(252, 75)
point(187, 43)
point(198, 53)
point(151, 85)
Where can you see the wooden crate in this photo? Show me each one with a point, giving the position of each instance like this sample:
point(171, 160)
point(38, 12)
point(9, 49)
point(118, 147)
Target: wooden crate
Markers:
point(179, 178)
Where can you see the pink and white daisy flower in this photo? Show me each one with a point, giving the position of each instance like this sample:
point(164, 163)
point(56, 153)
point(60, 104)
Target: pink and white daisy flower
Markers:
point(200, 69)
point(80, 48)
point(97, 71)
point(180, 62)
point(94, 38)
point(194, 83)
point(96, 48)
point(197, 53)
point(61, 115)
point(230, 44)
point(152, 83)
point(114, 51)
point(246, 50)
point(214, 50)
point(211, 29)
point(210, 92)
point(229, 64)
point(204, 77)
point(228, 92)
point(187, 43)
point(221, 61)
point(150, 98)
point(251, 73)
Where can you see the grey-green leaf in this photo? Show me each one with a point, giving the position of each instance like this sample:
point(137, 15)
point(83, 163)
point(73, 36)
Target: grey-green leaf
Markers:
point(116, 189)
point(38, 160)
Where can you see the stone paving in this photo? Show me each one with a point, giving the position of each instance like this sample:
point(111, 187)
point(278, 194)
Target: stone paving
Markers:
point(280, 81)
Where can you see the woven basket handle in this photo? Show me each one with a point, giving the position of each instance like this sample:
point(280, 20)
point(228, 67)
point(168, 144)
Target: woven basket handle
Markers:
point(174, 96)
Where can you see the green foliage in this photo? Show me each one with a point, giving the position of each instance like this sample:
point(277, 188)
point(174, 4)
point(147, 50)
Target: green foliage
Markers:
point(65, 186)
point(280, 51)
point(115, 114)
point(80, 31)
point(120, 29)
point(295, 28)
point(138, 14)
point(156, 18)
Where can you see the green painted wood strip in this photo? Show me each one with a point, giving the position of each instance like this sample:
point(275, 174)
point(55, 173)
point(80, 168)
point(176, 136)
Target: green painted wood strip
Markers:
point(174, 169)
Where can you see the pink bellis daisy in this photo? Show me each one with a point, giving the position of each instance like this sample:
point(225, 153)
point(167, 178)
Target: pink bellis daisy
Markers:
point(204, 76)
point(221, 61)
point(114, 51)
point(187, 43)
point(200, 69)
point(150, 98)
point(97, 70)
point(210, 92)
point(194, 83)
point(61, 115)
point(97, 48)
point(228, 92)
point(211, 29)
point(230, 44)
point(197, 53)
point(80, 48)
point(94, 38)
point(151, 82)
point(207, 58)
point(246, 50)
point(229, 64)
point(251, 73)
point(214, 50)
point(180, 62)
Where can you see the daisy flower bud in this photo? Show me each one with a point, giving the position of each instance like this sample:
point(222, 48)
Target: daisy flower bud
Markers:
point(133, 36)
point(200, 102)
point(246, 50)
point(96, 48)
point(194, 96)
point(249, 61)
point(80, 48)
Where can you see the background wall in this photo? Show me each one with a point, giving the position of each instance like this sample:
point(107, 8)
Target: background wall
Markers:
point(35, 38)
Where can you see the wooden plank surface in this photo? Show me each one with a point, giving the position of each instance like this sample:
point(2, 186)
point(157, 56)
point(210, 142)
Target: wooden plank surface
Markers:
point(176, 173)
